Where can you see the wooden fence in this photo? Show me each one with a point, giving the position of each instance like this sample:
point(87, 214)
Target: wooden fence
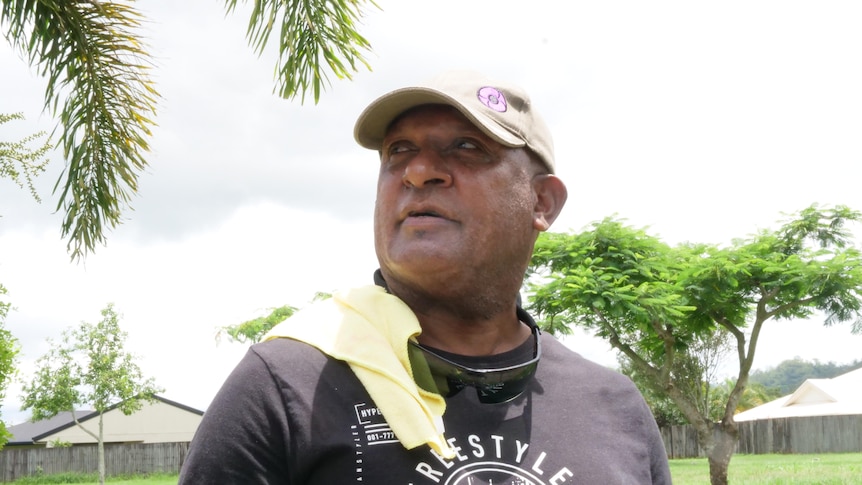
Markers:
point(817, 434)
point(813, 434)
point(120, 459)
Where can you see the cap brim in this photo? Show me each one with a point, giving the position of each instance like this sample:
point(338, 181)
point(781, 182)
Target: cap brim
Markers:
point(371, 126)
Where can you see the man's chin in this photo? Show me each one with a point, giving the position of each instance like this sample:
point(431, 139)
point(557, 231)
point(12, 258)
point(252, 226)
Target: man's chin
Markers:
point(419, 272)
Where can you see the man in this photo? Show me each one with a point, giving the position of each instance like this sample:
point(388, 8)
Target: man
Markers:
point(435, 374)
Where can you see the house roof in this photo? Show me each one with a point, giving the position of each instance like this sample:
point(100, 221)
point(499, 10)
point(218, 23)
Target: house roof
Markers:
point(31, 432)
point(815, 397)
point(22, 434)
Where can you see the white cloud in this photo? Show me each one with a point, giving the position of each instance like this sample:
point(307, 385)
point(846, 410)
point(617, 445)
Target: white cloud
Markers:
point(173, 296)
point(702, 121)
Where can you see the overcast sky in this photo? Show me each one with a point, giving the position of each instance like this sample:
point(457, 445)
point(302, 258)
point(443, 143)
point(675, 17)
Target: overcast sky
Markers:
point(704, 121)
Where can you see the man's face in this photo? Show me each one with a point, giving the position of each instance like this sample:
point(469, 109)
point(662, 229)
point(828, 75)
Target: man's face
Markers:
point(452, 204)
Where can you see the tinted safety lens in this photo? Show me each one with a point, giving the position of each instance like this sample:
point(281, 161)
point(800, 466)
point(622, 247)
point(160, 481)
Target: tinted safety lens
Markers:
point(494, 385)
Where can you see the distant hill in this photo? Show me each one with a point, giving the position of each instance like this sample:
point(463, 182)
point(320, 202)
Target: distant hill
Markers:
point(788, 375)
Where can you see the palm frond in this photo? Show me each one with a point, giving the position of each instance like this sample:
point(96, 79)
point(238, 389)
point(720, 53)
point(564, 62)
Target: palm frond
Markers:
point(97, 69)
point(315, 35)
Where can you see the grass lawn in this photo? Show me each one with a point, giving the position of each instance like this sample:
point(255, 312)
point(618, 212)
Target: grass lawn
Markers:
point(826, 469)
point(159, 479)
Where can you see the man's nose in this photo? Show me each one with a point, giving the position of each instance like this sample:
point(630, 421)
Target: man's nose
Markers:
point(426, 169)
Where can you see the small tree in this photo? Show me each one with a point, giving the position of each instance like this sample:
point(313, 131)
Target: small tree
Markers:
point(19, 161)
point(8, 351)
point(90, 367)
point(653, 302)
point(694, 372)
point(251, 331)
point(755, 395)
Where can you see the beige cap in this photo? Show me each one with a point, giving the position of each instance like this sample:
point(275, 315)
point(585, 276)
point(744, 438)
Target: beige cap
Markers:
point(502, 111)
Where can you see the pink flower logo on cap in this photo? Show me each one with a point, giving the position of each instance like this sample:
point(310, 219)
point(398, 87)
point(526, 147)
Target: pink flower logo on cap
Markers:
point(492, 98)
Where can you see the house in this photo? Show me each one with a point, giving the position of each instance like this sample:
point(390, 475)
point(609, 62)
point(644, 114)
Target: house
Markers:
point(161, 421)
point(841, 395)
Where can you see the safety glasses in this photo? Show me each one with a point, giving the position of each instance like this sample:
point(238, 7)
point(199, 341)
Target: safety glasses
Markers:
point(493, 386)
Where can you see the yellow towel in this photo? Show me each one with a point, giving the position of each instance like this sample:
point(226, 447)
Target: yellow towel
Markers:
point(369, 329)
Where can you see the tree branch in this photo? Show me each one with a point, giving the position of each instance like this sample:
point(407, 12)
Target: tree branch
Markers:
point(80, 425)
point(617, 343)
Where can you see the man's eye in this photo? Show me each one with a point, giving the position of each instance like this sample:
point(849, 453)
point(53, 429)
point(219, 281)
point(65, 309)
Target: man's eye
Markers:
point(394, 149)
point(467, 144)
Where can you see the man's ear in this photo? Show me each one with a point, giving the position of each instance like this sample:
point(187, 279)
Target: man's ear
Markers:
point(551, 195)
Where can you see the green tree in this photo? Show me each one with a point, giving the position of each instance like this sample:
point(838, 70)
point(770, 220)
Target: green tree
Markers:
point(755, 394)
point(664, 410)
point(790, 374)
point(18, 161)
point(651, 301)
point(667, 413)
point(252, 331)
point(8, 351)
point(695, 372)
point(98, 72)
point(90, 367)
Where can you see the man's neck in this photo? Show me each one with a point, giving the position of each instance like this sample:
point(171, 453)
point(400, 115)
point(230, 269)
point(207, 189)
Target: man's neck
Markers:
point(475, 322)
point(453, 333)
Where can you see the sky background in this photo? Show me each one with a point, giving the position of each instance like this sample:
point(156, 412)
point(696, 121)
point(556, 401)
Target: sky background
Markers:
point(702, 121)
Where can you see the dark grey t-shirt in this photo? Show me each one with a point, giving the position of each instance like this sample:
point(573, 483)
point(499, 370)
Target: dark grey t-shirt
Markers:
point(289, 414)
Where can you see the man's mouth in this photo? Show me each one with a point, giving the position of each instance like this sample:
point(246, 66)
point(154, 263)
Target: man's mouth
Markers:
point(423, 214)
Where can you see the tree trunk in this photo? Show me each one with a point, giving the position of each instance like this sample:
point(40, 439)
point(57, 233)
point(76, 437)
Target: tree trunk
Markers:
point(723, 443)
point(101, 453)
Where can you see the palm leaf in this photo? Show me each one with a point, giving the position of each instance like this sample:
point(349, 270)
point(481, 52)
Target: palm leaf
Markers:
point(97, 69)
point(316, 37)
